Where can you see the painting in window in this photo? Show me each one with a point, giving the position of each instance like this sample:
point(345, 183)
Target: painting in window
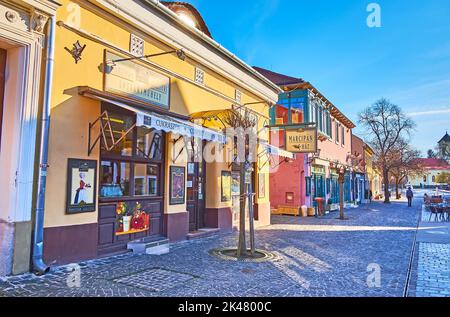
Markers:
point(115, 179)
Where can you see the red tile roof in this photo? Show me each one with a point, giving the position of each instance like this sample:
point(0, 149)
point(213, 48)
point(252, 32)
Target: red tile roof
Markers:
point(279, 79)
point(432, 163)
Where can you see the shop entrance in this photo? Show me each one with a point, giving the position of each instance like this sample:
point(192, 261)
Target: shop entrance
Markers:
point(131, 184)
point(196, 195)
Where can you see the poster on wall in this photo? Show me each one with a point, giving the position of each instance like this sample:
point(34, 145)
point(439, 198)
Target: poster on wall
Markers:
point(177, 185)
point(226, 186)
point(261, 185)
point(81, 186)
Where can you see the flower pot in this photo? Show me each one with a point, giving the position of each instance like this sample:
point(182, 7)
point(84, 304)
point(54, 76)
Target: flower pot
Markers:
point(311, 212)
point(126, 223)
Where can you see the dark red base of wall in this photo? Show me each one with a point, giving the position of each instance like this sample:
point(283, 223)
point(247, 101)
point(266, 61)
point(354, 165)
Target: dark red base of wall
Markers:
point(176, 226)
point(219, 218)
point(63, 245)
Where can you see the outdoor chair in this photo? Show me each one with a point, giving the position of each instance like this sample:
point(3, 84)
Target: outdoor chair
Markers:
point(433, 211)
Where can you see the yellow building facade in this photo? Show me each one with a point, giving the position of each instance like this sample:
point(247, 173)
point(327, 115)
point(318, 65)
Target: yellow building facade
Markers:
point(117, 150)
point(373, 174)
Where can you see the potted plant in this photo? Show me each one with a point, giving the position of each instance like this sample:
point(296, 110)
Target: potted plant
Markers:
point(124, 217)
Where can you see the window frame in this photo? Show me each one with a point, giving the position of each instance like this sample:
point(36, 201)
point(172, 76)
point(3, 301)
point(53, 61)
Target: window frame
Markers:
point(132, 161)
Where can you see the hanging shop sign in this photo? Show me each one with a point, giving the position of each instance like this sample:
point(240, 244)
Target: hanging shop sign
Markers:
point(302, 140)
point(132, 79)
point(81, 186)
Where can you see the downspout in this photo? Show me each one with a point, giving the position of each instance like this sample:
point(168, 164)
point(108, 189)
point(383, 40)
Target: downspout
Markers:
point(39, 267)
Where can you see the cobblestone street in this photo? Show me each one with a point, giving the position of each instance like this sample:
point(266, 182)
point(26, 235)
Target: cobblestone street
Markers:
point(315, 257)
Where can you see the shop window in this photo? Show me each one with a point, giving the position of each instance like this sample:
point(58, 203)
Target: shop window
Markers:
point(149, 144)
point(114, 179)
point(146, 180)
point(121, 123)
point(133, 167)
point(308, 186)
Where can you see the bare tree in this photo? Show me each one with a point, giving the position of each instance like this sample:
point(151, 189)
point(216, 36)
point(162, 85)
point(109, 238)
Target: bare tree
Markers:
point(404, 163)
point(386, 125)
point(431, 154)
point(243, 121)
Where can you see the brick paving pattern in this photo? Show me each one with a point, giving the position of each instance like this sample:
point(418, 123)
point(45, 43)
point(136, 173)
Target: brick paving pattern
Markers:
point(315, 257)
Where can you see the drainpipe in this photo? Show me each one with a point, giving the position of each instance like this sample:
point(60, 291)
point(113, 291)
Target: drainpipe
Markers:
point(39, 267)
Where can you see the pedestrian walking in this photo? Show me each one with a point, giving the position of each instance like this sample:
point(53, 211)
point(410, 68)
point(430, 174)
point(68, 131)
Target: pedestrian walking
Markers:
point(410, 196)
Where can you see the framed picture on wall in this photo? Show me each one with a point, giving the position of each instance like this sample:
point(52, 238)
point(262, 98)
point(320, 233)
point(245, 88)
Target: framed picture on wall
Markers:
point(81, 186)
point(261, 185)
point(177, 185)
point(226, 186)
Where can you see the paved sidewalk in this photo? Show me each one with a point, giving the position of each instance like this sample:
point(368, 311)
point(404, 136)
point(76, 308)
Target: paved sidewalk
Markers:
point(430, 276)
point(316, 257)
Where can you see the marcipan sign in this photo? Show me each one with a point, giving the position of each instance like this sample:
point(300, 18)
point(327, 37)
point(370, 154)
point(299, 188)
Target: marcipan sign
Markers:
point(303, 140)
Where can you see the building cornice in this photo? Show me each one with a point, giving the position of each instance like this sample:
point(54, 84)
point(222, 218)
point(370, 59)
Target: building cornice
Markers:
point(156, 20)
point(48, 7)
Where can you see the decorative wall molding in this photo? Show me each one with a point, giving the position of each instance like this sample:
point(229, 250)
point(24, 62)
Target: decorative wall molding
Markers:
point(38, 21)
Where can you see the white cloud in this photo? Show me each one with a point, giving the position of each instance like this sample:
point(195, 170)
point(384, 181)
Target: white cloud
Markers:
point(428, 113)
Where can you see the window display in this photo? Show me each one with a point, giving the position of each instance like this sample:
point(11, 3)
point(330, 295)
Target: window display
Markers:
point(115, 179)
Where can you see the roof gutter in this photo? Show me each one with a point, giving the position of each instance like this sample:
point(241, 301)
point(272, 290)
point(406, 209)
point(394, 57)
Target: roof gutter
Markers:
point(39, 266)
point(162, 8)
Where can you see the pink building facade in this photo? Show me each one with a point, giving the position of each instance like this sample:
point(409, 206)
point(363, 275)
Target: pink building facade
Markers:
point(310, 176)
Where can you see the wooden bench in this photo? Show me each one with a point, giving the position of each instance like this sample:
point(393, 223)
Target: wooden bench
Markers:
point(287, 211)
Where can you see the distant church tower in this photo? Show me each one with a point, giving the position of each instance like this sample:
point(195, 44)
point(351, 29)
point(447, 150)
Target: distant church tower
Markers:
point(444, 147)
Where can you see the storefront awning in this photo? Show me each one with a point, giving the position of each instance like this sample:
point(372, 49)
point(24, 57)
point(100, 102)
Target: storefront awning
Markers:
point(166, 123)
point(273, 150)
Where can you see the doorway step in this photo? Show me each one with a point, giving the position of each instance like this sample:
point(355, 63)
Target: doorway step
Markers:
point(202, 233)
point(150, 245)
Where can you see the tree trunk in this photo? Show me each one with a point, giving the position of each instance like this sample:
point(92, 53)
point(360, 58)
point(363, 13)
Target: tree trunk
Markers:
point(397, 182)
point(252, 219)
point(387, 199)
point(242, 245)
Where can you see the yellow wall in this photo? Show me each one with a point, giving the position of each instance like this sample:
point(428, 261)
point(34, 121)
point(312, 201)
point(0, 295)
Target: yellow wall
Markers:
point(71, 113)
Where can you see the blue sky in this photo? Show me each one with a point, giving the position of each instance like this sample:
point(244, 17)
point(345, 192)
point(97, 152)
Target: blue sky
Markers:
point(328, 43)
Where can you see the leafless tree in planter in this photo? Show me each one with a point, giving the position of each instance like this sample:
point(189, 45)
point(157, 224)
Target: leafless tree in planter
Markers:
point(243, 121)
point(386, 124)
point(404, 163)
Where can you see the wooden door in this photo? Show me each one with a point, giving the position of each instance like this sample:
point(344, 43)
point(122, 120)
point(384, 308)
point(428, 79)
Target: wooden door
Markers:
point(196, 195)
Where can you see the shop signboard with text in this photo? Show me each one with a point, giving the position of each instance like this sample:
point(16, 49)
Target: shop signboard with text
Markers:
point(134, 80)
point(303, 140)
